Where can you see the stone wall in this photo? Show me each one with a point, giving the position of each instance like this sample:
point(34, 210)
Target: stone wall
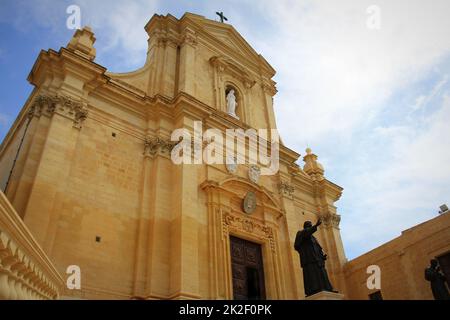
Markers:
point(402, 262)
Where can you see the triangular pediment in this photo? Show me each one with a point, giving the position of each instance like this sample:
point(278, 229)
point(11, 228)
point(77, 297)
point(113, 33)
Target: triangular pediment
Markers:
point(228, 38)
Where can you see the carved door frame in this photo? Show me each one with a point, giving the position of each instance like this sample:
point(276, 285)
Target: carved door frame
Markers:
point(224, 220)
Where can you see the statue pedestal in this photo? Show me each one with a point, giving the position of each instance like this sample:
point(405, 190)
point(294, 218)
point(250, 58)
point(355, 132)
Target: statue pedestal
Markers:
point(326, 295)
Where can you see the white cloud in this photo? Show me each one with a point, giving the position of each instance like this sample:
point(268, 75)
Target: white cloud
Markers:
point(403, 182)
point(121, 24)
point(422, 100)
point(334, 71)
point(335, 80)
point(118, 25)
point(407, 186)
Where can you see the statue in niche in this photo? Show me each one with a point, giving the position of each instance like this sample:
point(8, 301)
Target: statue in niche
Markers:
point(231, 104)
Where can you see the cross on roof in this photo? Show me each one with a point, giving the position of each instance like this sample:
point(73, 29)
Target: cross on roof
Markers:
point(222, 17)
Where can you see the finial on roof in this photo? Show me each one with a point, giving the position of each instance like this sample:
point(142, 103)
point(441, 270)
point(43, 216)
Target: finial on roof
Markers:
point(312, 167)
point(82, 43)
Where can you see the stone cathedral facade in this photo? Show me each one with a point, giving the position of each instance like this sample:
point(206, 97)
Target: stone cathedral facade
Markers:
point(87, 167)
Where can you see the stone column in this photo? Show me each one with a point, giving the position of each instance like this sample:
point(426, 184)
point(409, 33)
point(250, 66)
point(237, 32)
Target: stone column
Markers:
point(269, 91)
point(142, 251)
point(187, 62)
point(160, 206)
point(54, 166)
point(184, 272)
point(292, 258)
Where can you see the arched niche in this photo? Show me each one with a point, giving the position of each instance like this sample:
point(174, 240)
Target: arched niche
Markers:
point(228, 86)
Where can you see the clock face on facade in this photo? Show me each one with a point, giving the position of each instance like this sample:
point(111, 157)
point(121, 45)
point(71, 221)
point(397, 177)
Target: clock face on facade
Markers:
point(249, 203)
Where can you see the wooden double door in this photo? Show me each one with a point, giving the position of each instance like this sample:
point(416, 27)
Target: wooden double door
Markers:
point(247, 270)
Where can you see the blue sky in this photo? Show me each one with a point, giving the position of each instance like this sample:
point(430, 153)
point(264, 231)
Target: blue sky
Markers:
point(373, 104)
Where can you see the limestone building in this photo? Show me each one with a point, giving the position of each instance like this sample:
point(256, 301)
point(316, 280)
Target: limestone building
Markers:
point(87, 167)
point(402, 262)
point(89, 180)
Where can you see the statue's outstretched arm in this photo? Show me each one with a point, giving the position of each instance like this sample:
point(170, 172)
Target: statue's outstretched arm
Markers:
point(318, 223)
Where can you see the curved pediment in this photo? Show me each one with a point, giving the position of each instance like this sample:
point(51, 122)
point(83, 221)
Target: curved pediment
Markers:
point(239, 187)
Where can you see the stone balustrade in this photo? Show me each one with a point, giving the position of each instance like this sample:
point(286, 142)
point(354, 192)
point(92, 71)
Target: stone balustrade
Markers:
point(25, 270)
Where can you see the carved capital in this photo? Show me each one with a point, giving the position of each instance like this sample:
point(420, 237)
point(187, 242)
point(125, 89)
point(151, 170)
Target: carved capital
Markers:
point(286, 189)
point(189, 37)
point(65, 106)
point(154, 146)
point(42, 105)
point(219, 63)
point(248, 83)
point(168, 40)
point(330, 219)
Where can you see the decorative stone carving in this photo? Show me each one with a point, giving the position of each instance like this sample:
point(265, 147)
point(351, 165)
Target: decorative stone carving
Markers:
point(164, 40)
point(231, 164)
point(42, 105)
point(330, 219)
point(189, 37)
point(65, 106)
point(156, 145)
point(269, 88)
point(249, 225)
point(254, 173)
point(20, 278)
point(219, 63)
point(249, 203)
point(249, 83)
point(286, 189)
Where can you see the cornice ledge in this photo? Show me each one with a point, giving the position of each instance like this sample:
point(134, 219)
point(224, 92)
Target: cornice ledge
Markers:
point(186, 104)
point(331, 189)
point(223, 64)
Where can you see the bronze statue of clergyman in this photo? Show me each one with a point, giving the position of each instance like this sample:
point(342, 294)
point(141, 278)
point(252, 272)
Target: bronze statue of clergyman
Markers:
point(312, 260)
point(437, 280)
